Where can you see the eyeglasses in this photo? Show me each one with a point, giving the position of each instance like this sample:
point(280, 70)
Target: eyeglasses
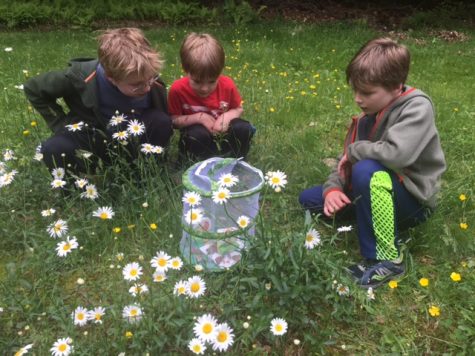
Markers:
point(144, 85)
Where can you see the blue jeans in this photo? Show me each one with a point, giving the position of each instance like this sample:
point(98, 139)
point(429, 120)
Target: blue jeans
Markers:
point(382, 205)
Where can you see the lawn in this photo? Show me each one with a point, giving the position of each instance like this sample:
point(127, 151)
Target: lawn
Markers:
point(292, 80)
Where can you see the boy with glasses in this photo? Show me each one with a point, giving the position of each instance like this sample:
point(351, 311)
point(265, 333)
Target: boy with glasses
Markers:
point(117, 96)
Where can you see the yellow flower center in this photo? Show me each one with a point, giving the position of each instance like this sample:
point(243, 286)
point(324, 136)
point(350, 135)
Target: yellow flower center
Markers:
point(97, 316)
point(222, 336)
point(197, 348)
point(133, 312)
point(275, 180)
point(57, 228)
point(162, 262)
point(133, 272)
point(159, 278)
point(66, 246)
point(221, 195)
point(191, 200)
point(278, 328)
point(80, 316)
point(181, 290)
point(104, 216)
point(227, 180)
point(62, 347)
point(194, 216)
point(176, 264)
point(195, 287)
point(309, 238)
point(207, 328)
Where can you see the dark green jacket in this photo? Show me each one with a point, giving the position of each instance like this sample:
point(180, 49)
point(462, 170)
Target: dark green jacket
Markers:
point(76, 86)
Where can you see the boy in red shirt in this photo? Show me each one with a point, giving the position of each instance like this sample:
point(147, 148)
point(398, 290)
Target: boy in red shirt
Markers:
point(206, 105)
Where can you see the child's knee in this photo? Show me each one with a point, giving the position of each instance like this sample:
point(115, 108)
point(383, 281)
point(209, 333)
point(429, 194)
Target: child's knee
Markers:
point(363, 171)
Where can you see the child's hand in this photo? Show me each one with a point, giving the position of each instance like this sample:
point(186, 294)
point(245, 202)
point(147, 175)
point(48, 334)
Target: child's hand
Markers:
point(334, 202)
point(207, 121)
point(221, 124)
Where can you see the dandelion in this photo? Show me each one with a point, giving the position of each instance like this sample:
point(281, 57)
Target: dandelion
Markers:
point(276, 179)
point(159, 276)
point(228, 180)
point(79, 316)
point(120, 135)
point(462, 197)
point(58, 228)
point(192, 199)
point(62, 347)
point(138, 289)
point(278, 326)
point(146, 148)
point(175, 263)
point(48, 212)
point(195, 287)
point(370, 294)
point(81, 183)
point(392, 284)
point(77, 126)
point(345, 228)
point(243, 221)
point(65, 247)
point(194, 216)
point(463, 226)
point(58, 173)
point(132, 271)
point(221, 195)
point(128, 335)
point(96, 315)
point(23, 350)
point(342, 290)
point(312, 239)
point(179, 288)
point(104, 213)
point(153, 226)
point(224, 337)
point(424, 282)
point(117, 230)
point(117, 119)
point(205, 328)
point(133, 313)
point(90, 192)
point(456, 277)
point(26, 132)
point(196, 346)
point(434, 311)
point(160, 261)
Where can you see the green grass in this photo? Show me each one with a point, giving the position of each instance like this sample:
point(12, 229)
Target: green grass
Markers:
point(292, 80)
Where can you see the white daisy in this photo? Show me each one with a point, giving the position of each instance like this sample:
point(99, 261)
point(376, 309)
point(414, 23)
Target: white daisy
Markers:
point(159, 276)
point(65, 247)
point(136, 128)
point(90, 192)
point(160, 261)
point(104, 213)
point(227, 180)
point(193, 199)
point(117, 119)
point(205, 328)
point(77, 126)
point(133, 313)
point(276, 179)
point(243, 221)
point(345, 228)
point(132, 271)
point(58, 173)
point(221, 195)
point(38, 156)
point(80, 316)
point(138, 289)
point(370, 294)
point(81, 183)
point(23, 350)
point(278, 326)
point(96, 314)
point(342, 290)
point(62, 347)
point(8, 49)
point(157, 150)
point(8, 155)
point(197, 347)
point(48, 212)
point(7, 178)
point(120, 135)
point(195, 287)
point(175, 263)
point(58, 183)
point(224, 337)
point(58, 228)
point(312, 239)
point(179, 288)
point(147, 148)
point(194, 216)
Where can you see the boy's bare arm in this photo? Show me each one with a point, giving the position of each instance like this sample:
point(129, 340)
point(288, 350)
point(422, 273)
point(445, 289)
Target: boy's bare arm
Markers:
point(202, 118)
point(222, 122)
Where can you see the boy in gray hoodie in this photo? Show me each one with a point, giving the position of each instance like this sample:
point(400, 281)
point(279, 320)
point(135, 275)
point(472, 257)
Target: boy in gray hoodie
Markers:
point(390, 170)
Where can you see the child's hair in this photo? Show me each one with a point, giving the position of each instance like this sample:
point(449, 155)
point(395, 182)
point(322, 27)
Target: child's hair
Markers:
point(380, 61)
point(126, 51)
point(202, 56)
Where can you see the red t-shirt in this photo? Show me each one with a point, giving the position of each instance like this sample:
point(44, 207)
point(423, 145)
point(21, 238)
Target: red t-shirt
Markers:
point(182, 100)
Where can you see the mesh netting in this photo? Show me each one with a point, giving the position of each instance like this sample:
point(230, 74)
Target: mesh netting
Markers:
point(215, 234)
